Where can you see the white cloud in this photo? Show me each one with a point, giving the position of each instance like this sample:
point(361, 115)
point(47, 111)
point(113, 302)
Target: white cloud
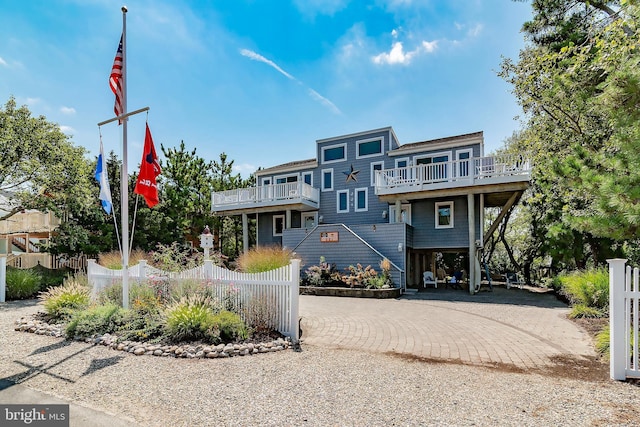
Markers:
point(3, 62)
point(430, 46)
point(68, 130)
point(315, 95)
point(397, 54)
point(32, 101)
point(475, 30)
point(324, 101)
point(257, 57)
point(67, 110)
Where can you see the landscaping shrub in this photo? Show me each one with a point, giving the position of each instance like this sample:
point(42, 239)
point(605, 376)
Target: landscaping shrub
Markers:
point(176, 257)
point(260, 314)
point(22, 284)
point(230, 326)
point(603, 340)
point(360, 277)
point(139, 326)
point(191, 318)
point(96, 320)
point(62, 301)
point(589, 288)
point(113, 259)
point(263, 258)
point(323, 274)
point(579, 311)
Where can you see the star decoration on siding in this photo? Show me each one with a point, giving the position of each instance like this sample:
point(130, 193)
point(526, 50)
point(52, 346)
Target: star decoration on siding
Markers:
point(352, 175)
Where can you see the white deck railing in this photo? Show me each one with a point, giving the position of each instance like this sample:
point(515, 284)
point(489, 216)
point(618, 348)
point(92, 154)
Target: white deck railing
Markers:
point(289, 191)
point(461, 171)
point(275, 291)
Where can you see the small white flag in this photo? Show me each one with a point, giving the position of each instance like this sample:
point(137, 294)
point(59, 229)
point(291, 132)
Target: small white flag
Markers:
point(103, 178)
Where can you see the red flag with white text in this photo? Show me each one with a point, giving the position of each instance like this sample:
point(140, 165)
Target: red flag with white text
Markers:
point(146, 185)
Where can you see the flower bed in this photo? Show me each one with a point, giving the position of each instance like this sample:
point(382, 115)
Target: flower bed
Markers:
point(350, 292)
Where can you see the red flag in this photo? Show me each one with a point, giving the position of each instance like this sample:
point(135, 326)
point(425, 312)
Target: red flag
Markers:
point(115, 81)
point(149, 170)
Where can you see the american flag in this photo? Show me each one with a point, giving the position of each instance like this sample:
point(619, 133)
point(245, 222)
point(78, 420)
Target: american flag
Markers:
point(116, 79)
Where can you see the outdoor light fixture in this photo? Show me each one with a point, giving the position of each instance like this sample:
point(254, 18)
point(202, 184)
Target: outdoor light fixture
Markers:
point(399, 247)
point(321, 219)
point(384, 214)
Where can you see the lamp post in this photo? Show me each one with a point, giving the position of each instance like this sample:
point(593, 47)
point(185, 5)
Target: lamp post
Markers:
point(206, 241)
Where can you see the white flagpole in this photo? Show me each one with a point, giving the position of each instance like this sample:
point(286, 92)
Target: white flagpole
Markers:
point(124, 181)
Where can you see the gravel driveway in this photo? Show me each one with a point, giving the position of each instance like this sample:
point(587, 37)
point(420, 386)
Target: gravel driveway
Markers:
point(319, 386)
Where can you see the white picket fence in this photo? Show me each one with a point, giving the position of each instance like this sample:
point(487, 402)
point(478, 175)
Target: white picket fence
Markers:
point(3, 278)
point(276, 291)
point(624, 322)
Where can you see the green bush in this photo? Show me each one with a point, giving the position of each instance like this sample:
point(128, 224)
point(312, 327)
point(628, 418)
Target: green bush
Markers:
point(22, 284)
point(579, 311)
point(137, 326)
point(191, 318)
point(61, 302)
point(96, 320)
point(589, 288)
point(231, 326)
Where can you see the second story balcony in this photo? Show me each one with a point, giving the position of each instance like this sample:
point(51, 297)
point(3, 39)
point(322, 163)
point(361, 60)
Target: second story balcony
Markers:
point(266, 198)
point(473, 175)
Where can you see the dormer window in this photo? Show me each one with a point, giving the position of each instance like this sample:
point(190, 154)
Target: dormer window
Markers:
point(334, 153)
point(369, 148)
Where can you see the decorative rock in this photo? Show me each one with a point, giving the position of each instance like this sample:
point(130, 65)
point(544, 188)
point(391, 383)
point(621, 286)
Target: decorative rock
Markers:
point(37, 326)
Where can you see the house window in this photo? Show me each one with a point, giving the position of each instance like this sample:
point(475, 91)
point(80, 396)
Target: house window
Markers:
point(307, 178)
point(437, 166)
point(444, 215)
point(278, 225)
point(309, 220)
point(327, 179)
point(361, 199)
point(342, 201)
point(266, 181)
point(334, 153)
point(464, 164)
point(375, 166)
point(286, 178)
point(405, 214)
point(369, 148)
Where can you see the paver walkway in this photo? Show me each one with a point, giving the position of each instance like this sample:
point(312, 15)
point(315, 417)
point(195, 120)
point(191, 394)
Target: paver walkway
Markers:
point(508, 326)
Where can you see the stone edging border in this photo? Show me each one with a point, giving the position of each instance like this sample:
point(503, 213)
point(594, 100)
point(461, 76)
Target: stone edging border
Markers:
point(190, 351)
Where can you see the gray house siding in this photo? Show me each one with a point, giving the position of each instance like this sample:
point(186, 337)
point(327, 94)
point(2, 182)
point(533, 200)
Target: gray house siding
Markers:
point(362, 178)
point(265, 227)
point(349, 249)
point(425, 233)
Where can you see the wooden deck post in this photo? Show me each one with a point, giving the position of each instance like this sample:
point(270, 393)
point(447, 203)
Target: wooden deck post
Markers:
point(471, 213)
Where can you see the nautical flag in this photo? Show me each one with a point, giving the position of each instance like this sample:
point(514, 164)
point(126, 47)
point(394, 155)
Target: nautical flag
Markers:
point(103, 179)
point(149, 170)
point(116, 80)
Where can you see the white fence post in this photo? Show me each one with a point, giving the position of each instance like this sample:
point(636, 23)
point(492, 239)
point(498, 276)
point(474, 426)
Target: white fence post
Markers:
point(142, 273)
point(3, 279)
point(91, 264)
point(294, 290)
point(618, 350)
point(208, 270)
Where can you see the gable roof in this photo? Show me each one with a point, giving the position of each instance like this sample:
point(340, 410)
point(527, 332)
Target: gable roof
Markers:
point(288, 167)
point(432, 144)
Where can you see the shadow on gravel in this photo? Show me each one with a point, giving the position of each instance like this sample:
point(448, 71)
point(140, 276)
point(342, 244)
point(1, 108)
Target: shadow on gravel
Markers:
point(530, 296)
point(18, 304)
point(562, 366)
point(50, 347)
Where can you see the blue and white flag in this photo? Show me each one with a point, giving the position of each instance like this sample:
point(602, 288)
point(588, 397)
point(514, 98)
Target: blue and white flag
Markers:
point(103, 179)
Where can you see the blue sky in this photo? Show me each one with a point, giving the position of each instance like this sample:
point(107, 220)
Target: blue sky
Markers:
point(262, 80)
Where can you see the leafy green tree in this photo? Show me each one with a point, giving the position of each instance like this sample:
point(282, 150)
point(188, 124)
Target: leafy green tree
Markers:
point(563, 80)
point(40, 168)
